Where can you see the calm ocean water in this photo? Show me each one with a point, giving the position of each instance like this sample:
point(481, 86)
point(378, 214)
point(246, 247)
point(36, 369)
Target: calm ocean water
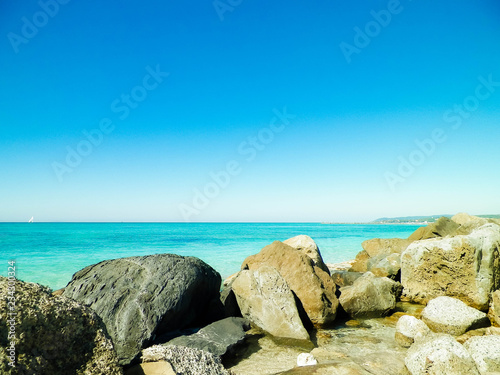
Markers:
point(50, 253)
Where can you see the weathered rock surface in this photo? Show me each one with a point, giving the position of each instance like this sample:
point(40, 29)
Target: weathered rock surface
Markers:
point(485, 351)
point(465, 266)
point(185, 361)
point(409, 329)
point(228, 298)
point(265, 299)
point(494, 311)
point(386, 266)
point(345, 278)
point(439, 354)
point(381, 256)
point(452, 316)
point(313, 287)
point(369, 296)
point(216, 338)
point(307, 246)
point(54, 335)
point(464, 218)
point(385, 246)
point(441, 228)
point(139, 298)
point(469, 223)
point(473, 333)
point(360, 263)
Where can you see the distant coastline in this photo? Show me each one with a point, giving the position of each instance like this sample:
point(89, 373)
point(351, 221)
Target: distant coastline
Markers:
point(373, 223)
point(408, 220)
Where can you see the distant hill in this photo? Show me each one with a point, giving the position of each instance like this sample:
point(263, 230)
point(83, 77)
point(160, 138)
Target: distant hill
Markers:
point(420, 219)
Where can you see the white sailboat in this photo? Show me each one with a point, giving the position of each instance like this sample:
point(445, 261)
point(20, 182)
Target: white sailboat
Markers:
point(31, 220)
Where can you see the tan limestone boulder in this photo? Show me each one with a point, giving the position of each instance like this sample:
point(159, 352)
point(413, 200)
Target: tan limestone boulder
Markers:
point(441, 228)
point(360, 264)
point(381, 256)
point(386, 266)
point(464, 218)
point(466, 267)
point(385, 246)
point(266, 300)
point(313, 287)
point(494, 311)
point(469, 223)
point(369, 296)
point(307, 246)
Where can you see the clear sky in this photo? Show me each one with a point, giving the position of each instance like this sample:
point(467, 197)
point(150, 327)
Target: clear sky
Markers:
point(238, 110)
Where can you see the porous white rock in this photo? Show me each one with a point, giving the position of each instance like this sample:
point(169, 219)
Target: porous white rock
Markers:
point(452, 316)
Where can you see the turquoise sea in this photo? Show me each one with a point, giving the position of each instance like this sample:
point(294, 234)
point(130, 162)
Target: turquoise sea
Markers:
point(50, 253)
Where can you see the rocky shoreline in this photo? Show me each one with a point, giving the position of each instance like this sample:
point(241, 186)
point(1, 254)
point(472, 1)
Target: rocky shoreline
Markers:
point(428, 304)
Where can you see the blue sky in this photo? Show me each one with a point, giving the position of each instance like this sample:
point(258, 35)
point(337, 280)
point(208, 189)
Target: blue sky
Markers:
point(248, 110)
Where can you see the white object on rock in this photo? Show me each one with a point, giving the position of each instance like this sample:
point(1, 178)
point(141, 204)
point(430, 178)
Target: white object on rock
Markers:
point(306, 359)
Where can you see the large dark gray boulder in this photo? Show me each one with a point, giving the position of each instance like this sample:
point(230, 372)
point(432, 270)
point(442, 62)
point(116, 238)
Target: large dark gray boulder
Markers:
point(216, 338)
point(52, 334)
point(140, 298)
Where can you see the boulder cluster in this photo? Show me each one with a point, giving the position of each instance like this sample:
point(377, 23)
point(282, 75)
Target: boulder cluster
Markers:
point(450, 338)
point(168, 314)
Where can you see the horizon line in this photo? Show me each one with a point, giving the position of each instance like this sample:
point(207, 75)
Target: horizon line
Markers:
point(187, 222)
